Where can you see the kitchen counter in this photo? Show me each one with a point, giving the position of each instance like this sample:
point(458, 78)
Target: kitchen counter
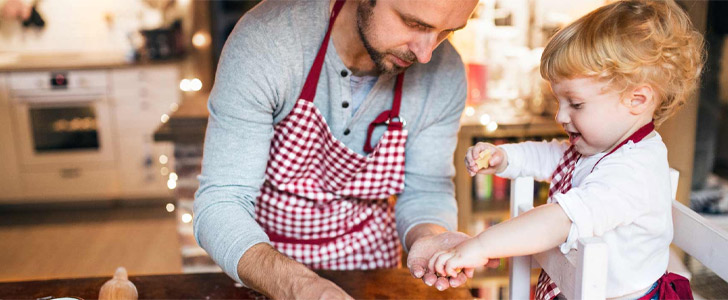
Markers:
point(374, 284)
point(188, 123)
point(14, 62)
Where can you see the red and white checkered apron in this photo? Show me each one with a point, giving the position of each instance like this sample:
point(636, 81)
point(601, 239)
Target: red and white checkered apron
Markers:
point(546, 288)
point(323, 204)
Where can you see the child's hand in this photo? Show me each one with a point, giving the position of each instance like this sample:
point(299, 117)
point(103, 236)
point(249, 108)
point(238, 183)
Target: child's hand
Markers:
point(465, 256)
point(485, 158)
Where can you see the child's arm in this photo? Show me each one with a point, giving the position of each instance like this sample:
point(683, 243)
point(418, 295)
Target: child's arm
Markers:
point(535, 231)
point(537, 159)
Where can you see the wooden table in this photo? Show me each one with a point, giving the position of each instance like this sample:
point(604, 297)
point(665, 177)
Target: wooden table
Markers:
point(375, 284)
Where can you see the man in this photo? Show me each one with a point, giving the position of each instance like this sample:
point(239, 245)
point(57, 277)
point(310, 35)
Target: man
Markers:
point(292, 181)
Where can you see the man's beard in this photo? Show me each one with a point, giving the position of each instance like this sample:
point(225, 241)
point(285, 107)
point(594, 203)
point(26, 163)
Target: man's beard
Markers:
point(363, 15)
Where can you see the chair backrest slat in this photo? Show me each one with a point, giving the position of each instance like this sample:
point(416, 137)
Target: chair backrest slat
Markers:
point(701, 239)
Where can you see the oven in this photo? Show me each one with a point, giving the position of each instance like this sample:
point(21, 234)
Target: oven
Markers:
point(64, 133)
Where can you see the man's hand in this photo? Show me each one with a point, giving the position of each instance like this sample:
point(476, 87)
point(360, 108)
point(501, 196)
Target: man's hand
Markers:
point(424, 241)
point(321, 289)
point(266, 270)
point(424, 248)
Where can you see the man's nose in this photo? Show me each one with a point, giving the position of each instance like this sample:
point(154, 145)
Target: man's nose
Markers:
point(423, 46)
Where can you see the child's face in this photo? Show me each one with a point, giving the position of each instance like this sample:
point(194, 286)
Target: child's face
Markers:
point(593, 115)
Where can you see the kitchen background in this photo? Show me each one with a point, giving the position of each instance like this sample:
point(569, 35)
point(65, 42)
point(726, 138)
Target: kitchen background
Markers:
point(102, 117)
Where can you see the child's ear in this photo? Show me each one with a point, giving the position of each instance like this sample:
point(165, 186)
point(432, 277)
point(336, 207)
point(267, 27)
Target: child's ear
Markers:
point(640, 99)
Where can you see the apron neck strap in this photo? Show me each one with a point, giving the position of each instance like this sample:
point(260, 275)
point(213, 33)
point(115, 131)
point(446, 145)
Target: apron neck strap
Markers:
point(397, 97)
point(635, 137)
point(309, 88)
point(388, 116)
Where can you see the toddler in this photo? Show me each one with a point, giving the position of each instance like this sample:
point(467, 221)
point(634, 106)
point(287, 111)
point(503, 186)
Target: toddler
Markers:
point(616, 73)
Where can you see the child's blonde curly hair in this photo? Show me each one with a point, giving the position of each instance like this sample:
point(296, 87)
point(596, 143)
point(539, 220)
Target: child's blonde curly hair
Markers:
point(628, 43)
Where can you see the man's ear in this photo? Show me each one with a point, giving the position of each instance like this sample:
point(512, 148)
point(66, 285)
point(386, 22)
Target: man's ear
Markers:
point(639, 99)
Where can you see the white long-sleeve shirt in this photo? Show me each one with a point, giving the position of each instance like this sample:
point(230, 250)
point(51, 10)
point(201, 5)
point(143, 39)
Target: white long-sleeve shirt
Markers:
point(626, 201)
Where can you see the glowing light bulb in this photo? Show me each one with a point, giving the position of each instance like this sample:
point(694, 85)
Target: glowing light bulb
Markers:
point(469, 111)
point(485, 119)
point(170, 207)
point(186, 218)
point(184, 85)
point(492, 126)
point(200, 39)
point(195, 84)
point(163, 159)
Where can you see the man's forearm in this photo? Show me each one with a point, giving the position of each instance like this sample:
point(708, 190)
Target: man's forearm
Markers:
point(422, 230)
point(537, 230)
point(268, 271)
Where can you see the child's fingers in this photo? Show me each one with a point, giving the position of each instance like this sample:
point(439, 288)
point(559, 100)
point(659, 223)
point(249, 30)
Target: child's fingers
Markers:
point(496, 159)
point(433, 260)
point(452, 267)
point(469, 272)
point(493, 263)
point(470, 161)
point(469, 155)
point(494, 162)
point(440, 263)
point(471, 166)
point(473, 152)
point(473, 169)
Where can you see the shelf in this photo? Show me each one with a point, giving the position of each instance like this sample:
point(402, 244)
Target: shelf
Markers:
point(540, 127)
point(491, 208)
point(471, 208)
point(478, 206)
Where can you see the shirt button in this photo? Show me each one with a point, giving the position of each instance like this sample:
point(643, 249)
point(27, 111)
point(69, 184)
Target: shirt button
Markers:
point(347, 131)
point(344, 73)
point(345, 104)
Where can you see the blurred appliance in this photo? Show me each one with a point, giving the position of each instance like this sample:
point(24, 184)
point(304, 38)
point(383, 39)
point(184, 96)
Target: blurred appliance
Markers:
point(224, 15)
point(163, 43)
point(63, 133)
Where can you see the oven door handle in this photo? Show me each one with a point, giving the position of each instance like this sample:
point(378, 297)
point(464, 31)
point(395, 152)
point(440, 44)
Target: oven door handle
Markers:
point(46, 97)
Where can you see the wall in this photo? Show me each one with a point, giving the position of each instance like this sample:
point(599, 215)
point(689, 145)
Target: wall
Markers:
point(80, 26)
point(723, 79)
point(678, 132)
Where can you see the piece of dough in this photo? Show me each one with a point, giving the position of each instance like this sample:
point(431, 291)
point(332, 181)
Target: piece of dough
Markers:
point(483, 160)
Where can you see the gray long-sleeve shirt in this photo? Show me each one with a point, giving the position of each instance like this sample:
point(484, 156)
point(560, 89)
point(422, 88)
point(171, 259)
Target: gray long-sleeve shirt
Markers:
point(262, 69)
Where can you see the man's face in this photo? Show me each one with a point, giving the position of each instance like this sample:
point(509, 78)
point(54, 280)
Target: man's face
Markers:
point(398, 33)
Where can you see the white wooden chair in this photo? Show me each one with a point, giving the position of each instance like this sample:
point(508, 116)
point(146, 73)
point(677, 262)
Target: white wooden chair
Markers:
point(582, 274)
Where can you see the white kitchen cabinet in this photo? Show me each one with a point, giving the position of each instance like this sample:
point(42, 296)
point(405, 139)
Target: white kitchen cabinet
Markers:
point(128, 104)
point(75, 183)
point(143, 174)
point(139, 97)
